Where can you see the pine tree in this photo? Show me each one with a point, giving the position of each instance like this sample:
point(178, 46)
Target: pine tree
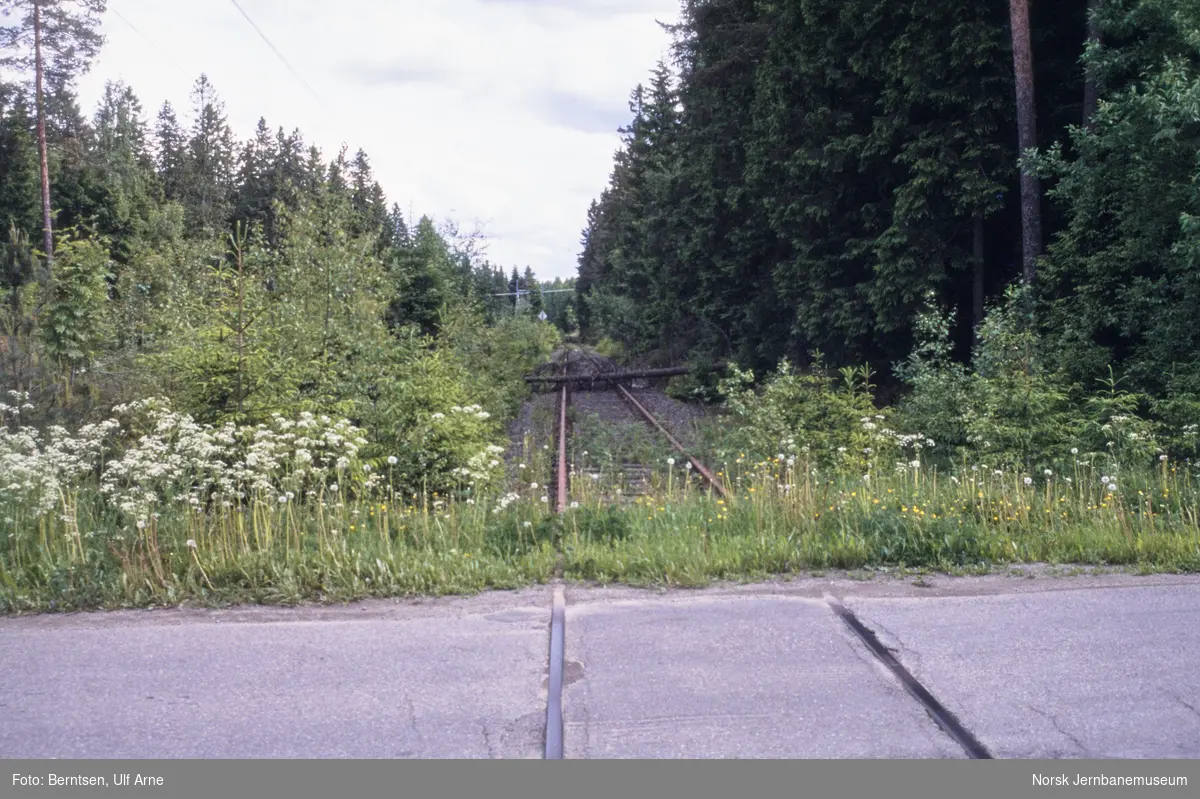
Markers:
point(1031, 192)
point(210, 161)
point(56, 40)
point(19, 181)
point(125, 167)
point(256, 180)
point(170, 153)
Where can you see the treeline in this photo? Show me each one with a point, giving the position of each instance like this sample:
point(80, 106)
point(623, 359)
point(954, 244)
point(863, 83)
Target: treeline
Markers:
point(811, 175)
point(244, 279)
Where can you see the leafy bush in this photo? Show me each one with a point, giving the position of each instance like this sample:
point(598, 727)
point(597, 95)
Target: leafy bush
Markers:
point(828, 420)
point(1013, 409)
point(608, 348)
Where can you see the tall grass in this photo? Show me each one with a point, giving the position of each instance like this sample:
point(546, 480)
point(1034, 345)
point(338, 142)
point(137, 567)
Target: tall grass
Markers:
point(172, 520)
point(786, 516)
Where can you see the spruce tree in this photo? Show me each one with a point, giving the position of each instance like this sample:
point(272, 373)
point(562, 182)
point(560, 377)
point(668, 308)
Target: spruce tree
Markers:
point(210, 161)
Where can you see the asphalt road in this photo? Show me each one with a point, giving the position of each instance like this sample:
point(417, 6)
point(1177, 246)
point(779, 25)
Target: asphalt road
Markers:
point(1058, 667)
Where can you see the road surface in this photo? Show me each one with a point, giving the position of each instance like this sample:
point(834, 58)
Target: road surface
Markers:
point(1050, 667)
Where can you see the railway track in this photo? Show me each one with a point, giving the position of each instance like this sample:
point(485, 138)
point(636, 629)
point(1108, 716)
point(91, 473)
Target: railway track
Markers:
point(605, 389)
point(589, 385)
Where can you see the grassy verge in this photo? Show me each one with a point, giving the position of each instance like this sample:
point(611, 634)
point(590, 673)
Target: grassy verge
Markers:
point(780, 518)
point(275, 555)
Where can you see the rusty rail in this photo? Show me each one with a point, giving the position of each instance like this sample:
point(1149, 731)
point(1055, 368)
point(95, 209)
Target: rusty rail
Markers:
point(697, 465)
point(560, 494)
point(561, 488)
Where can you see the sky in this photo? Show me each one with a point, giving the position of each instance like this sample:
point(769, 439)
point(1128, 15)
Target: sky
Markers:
point(500, 115)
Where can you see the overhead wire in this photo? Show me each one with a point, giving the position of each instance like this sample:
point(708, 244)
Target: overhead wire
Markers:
point(279, 55)
point(149, 41)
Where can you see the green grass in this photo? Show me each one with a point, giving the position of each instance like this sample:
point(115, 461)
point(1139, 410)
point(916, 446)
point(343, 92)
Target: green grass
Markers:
point(266, 555)
point(779, 519)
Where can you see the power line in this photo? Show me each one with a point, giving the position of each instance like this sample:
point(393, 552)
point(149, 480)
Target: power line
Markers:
point(275, 50)
point(149, 41)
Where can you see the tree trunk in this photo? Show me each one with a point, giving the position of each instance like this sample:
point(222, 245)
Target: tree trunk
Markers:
point(47, 224)
point(1091, 96)
point(977, 293)
point(1031, 213)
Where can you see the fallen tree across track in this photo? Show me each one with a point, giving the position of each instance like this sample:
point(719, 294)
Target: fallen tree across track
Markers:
point(608, 376)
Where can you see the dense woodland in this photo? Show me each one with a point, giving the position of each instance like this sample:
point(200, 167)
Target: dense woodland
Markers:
point(237, 278)
point(823, 175)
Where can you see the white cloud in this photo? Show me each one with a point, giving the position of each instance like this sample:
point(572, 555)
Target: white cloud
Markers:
point(501, 113)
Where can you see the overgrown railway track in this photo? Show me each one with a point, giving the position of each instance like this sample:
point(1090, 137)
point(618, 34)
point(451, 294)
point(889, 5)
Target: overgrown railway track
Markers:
point(603, 387)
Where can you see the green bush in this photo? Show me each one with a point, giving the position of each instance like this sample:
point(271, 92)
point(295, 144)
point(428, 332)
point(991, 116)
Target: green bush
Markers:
point(831, 420)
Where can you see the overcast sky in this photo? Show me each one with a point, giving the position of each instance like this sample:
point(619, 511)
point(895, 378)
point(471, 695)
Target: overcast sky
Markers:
point(496, 113)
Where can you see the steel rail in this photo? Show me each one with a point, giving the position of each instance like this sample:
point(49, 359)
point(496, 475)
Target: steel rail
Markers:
point(554, 692)
point(560, 494)
point(652, 421)
point(697, 465)
point(936, 710)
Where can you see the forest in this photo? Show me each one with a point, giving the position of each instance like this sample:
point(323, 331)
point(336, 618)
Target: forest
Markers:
point(818, 176)
point(933, 267)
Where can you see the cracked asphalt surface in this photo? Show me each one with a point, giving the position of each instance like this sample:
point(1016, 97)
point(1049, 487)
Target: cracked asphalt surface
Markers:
point(1095, 666)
